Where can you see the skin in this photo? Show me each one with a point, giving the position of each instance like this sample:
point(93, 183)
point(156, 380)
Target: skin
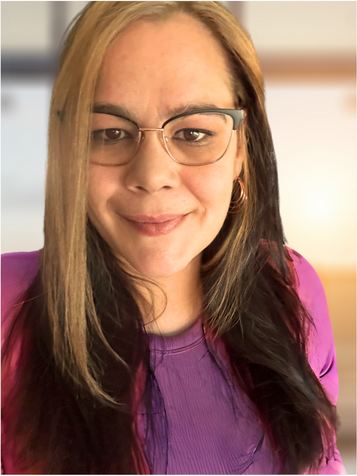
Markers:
point(151, 68)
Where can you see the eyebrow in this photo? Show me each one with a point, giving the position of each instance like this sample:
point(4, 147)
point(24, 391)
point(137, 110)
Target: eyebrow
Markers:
point(121, 111)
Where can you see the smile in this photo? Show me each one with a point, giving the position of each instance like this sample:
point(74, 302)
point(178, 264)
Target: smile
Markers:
point(156, 226)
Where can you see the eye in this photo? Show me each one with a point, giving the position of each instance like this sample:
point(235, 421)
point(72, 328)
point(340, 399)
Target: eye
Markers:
point(109, 135)
point(192, 135)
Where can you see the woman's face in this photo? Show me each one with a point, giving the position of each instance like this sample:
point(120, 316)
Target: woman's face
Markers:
point(152, 69)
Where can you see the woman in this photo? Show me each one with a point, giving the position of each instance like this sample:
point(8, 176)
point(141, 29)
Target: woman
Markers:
point(164, 327)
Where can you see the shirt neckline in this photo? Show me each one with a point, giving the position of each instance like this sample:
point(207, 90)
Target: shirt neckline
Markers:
point(179, 342)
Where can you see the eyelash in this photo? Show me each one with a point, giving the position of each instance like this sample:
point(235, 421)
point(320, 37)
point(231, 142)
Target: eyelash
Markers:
point(200, 131)
point(98, 134)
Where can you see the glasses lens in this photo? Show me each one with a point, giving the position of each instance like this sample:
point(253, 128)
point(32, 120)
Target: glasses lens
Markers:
point(199, 139)
point(113, 140)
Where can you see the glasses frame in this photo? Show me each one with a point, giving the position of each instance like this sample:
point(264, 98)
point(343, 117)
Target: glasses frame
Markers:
point(236, 114)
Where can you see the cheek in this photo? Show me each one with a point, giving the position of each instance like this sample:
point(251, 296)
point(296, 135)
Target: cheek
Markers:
point(213, 188)
point(215, 182)
point(102, 184)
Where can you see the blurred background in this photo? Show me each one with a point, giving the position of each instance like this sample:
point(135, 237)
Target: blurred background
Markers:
point(307, 52)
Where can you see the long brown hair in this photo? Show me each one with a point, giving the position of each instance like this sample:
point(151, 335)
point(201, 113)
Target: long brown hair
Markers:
point(85, 325)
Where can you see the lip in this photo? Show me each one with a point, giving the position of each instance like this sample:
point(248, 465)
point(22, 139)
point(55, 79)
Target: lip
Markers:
point(156, 225)
point(154, 219)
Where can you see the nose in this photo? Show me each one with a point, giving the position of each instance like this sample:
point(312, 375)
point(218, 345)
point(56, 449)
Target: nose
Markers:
point(151, 169)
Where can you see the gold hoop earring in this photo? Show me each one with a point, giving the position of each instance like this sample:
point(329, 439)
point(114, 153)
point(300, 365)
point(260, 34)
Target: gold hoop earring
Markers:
point(236, 204)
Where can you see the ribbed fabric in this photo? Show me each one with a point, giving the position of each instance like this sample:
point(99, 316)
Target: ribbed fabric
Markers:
point(203, 425)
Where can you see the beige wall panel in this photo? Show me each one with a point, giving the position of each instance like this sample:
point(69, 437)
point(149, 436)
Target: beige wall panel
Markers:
point(73, 8)
point(298, 27)
point(30, 32)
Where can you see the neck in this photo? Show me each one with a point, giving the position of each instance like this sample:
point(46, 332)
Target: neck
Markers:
point(179, 305)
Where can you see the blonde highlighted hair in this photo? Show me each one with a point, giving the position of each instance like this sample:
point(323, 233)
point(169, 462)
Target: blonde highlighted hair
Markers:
point(64, 259)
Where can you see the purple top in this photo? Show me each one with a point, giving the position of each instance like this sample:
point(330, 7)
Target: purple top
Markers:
point(202, 422)
point(205, 424)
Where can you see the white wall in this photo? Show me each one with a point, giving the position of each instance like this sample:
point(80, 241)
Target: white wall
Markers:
point(314, 132)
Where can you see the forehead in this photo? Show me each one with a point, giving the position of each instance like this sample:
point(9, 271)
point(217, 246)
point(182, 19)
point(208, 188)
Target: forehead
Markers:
point(153, 66)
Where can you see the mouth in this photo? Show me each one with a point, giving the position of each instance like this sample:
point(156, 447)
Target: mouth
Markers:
point(156, 225)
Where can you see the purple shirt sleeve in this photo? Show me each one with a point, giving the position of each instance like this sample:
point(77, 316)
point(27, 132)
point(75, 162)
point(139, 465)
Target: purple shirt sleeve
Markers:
point(321, 346)
point(17, 272)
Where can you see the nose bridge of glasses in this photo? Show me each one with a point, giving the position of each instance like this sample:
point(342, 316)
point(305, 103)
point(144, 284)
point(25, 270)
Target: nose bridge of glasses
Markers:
point(143, 130)
point(149, 129)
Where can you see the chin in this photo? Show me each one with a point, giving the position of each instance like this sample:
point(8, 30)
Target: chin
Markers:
point(156, 262)
point(157, 265)
point(159, 270)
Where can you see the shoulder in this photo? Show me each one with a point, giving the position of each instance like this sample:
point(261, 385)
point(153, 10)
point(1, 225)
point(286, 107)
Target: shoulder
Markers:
point(311, 292)
point(19, 259)
point(320, 345)
point(308, 283)
point(17, 272)
point(305, 282)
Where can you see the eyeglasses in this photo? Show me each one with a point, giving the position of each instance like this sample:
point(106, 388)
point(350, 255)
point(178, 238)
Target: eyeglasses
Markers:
point(194, 138)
